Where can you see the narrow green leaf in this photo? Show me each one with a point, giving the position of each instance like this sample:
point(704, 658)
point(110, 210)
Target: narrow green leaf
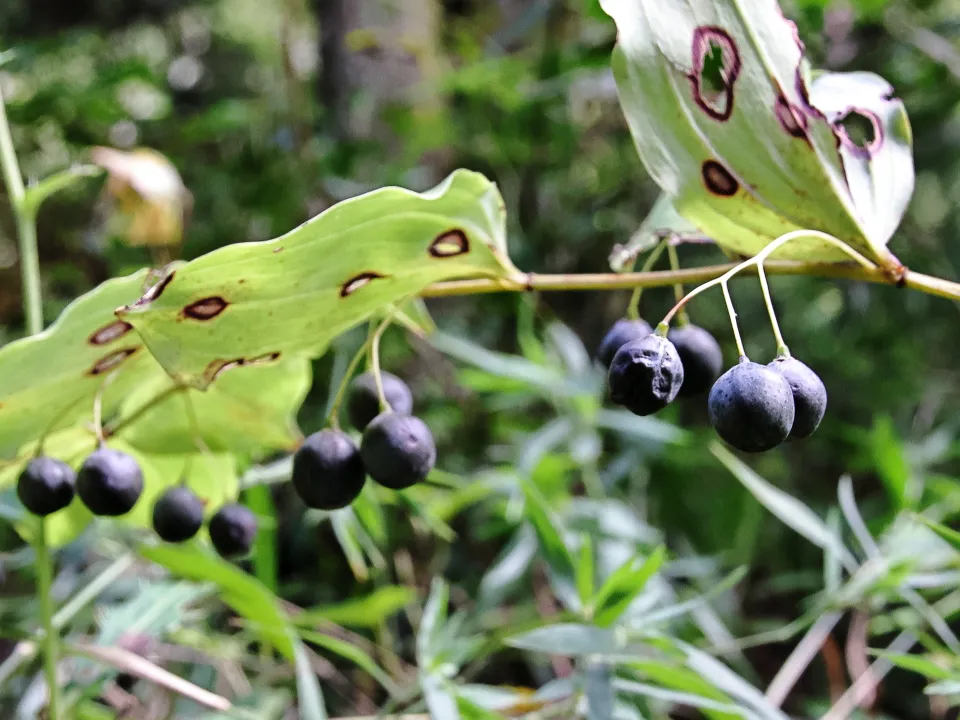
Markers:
point(309, 696)
point(368, 611)
point(260, 500)
point(431, 623)
point(951, 536)
point(585, 570)
point(352, 653)
point(790, 511)
point(675, 697)
point(598, 687)
point(509, 568)
point(548, 528)
point(623, 586)
point(915, 663)
point(568, 639)
point(440, 697)
point(243, 593)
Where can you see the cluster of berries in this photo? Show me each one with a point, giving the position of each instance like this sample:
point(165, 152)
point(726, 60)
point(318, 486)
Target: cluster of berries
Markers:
point(110, 483)
point(396, 450)
point(753, 407)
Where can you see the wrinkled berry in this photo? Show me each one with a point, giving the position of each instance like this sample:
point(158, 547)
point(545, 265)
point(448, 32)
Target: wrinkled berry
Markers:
point(751, 407)
point(328, 473)
point(809, 395)
point(363, 403)
point(701, 356)
point(232, 530)
point(177, 514)
point(622, 332)
point(398, 450)
point(46, 485)
point(645, 375)
point(109, 482)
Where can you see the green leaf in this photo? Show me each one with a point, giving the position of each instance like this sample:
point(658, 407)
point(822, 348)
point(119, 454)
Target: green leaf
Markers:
point(309, 696)
point(364, 612)
point(723, 115)
point(351, 653)
point(293, 294)
point(440, 696)
point(49, 382)
point(914, 663)
point(509, 568)
point(712, 708)
point(662, 220)
point(585, 570)
point(790, 511)
point(156, 608)
point(35, 194)
point(248, 410)
point(431, 623)
point(951, 536)
point(567, 639)
point(623, 586)
point(548, 528)
point(245, 594)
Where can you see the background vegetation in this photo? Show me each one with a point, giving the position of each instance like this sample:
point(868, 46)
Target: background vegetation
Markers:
point(271, 112)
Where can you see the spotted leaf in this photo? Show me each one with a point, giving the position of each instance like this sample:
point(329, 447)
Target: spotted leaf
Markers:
point(291, 295)
point(49, 382)
point(730, 125)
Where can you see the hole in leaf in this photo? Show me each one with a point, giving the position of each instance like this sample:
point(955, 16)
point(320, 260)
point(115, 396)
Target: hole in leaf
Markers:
point(716, 65)
point(859, 129)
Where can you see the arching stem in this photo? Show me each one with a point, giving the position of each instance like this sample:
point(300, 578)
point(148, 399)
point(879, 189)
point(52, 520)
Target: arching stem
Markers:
point(333, 416)
point(731, 311)
point(757, 259)
point(375, 362)
point(633, 309)
point(782, 349)
point(682, 318)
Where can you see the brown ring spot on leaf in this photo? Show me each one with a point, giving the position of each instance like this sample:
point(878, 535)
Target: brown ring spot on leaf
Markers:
point(859, 130)
point(205, 309)
point(109, 333)
point(716, 66)
point(790, 118)
point(718, 179)
point(358, 281)
point(111, 360)
point(154, 292)
point(450, 244)
point(216, 367)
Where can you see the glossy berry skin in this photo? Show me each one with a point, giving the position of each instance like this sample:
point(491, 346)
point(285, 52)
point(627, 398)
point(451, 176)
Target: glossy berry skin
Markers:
point(363, 403)
point(46, 485)
point(177, 515)
point(751, 407)
point(809, 395)
point(645, 375)
point(328, 472)
point(701, 356)
point(622, 332)
point(109, 482)
point(232, 530)
point(398, 450)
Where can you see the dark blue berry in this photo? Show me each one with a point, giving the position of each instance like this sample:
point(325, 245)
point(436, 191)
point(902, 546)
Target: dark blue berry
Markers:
point(645, 375)
point(46, 485)
point(328, 472)
point(109, 482)
point(398, 450)
point(751, 407)
point(363, 403)
point(701, 356)
point(177, 514)
point(622, 332)
point(232, 530)
point(809, 395)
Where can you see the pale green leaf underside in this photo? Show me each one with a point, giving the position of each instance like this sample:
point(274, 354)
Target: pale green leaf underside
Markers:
point(750, 159)
point(293, 294)
point(49, 382)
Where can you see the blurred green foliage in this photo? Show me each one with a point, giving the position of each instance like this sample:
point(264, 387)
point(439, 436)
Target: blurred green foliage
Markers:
point(233, 92)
